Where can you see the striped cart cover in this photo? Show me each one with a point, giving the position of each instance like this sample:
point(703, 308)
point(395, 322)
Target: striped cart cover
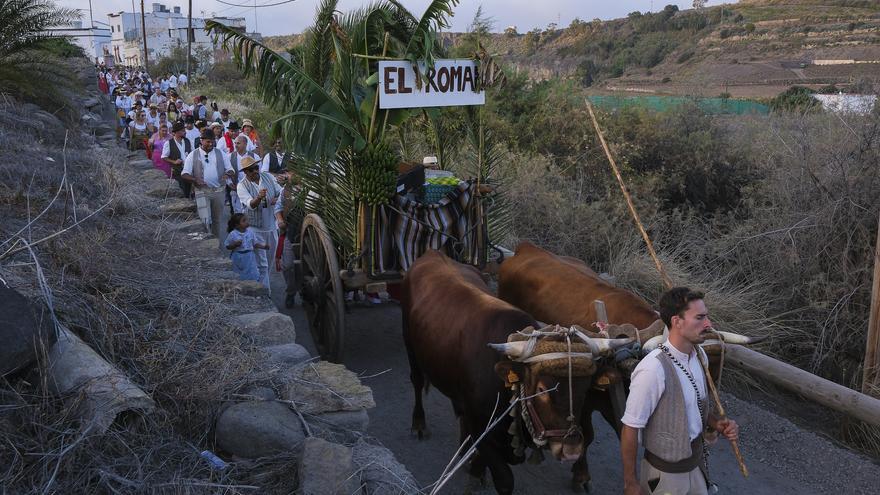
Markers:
point(413, 228)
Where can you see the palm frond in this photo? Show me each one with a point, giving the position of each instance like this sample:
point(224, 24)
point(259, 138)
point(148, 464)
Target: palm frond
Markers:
point(422, 42)
point(311, 124)
point(24, 23)
point(318, 46)
point(486, 158)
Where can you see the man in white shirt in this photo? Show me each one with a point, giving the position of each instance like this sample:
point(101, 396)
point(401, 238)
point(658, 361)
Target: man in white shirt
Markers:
point(191, 132)
point(182, 80)
point(224, 119)
point(239, 152)
point(174, 152)
point(227, 144)
point(153, 116)
point(275, 162)
point(258, 192)
point(172, 82)
point(668, 406)
point(208, 170)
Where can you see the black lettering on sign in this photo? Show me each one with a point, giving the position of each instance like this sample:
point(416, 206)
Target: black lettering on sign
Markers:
point(429, 75)
point(389, 79)
point(476, 78)
point(401, 74)
point(443, 79)
point(468, 78)
point(455, 78)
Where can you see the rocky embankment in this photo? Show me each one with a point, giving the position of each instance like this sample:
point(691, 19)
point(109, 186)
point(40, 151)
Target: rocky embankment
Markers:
point(222, 396)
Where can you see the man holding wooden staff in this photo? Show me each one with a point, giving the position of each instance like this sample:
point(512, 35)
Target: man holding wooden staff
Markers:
point(669, 406)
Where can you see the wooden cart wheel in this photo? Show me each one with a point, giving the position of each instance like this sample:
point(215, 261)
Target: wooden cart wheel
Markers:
point(322, 294)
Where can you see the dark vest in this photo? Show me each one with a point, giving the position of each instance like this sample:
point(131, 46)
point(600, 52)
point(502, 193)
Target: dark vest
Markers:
point(174, 151)
point(274, 166)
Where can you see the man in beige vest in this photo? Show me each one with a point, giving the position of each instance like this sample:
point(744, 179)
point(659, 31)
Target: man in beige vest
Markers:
point(668, 405)
point(208, 170)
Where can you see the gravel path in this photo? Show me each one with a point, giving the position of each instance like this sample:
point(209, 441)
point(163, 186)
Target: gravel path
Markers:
point(782, 458)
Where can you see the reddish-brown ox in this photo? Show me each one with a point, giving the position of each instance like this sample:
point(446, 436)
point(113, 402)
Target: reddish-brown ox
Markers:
point(449, 319)
point(562, 290)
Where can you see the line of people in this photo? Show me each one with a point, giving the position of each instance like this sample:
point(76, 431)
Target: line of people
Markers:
point(239, 191)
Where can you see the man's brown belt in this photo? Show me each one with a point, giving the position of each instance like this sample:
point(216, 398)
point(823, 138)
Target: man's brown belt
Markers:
point(682, 466)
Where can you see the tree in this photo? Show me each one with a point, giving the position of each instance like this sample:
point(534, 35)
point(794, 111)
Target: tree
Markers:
point(26, 51)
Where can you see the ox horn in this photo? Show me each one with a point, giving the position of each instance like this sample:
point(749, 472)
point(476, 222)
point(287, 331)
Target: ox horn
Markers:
point(651, 331)
point(599, 346)
point(512, 349)
point(735, 338)
point(652, 343)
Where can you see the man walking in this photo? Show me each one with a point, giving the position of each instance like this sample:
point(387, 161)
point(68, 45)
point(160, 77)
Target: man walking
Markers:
point(275, 161)
point(668, 403)
point(259, 193)
point(208, 170)
point(174, 151)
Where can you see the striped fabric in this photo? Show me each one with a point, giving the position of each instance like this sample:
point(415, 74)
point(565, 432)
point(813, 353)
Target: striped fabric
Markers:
point(416, 227)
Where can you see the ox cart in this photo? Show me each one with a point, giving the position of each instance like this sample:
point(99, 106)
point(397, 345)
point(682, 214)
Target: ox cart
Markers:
point(387, 239)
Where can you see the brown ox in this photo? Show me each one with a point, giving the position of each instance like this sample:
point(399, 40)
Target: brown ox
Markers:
point(449, 318)
point(562, 290)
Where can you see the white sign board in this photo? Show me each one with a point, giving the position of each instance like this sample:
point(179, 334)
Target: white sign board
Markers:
point(448, 83)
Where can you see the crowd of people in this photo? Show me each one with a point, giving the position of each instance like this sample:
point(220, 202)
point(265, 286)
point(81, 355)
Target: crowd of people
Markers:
point(239, 187)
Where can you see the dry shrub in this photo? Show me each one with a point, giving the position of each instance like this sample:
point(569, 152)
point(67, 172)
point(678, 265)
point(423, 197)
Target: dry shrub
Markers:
point(793, 260)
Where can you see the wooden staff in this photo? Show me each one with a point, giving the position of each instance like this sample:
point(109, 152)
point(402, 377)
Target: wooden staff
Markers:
point(666, 280)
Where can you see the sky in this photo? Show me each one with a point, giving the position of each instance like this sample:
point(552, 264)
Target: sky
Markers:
point(295, 16)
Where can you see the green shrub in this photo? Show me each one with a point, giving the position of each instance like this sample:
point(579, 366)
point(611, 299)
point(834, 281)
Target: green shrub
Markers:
point(795, 99)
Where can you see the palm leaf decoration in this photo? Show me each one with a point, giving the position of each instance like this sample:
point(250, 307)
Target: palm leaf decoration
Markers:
point(23, 57)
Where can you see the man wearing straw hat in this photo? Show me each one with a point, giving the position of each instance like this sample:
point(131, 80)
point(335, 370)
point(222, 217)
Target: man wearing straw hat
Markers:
point(208, 170)
point(669, 406)
point(258, 193)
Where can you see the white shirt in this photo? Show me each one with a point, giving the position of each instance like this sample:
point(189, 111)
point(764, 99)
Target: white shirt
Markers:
point(166, 148)
point(264, 165)
point(225, 123)
point(210, 168)
point(221, 144)
point(124, 102)
point(191, 135)
point(267, 214)
point(648, 383)
point(153, 121)
point(172, 81)
point(182, 79)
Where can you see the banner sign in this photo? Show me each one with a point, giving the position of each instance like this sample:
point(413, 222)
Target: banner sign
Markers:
point(448, 83)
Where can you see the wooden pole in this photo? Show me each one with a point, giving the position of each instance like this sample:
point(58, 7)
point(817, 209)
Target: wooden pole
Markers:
point(144, 30)
point(871, 376)
point(808, 385)
point(189, 38)
point(629, 203)
point(721, 414)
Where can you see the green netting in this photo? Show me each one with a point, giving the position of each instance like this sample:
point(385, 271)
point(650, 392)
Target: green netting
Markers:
point(715, 106)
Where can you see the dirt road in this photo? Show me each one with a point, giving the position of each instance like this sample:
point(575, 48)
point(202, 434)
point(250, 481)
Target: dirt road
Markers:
point(782, 458)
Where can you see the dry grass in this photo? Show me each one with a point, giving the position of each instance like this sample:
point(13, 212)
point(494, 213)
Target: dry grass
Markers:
point(794, 260)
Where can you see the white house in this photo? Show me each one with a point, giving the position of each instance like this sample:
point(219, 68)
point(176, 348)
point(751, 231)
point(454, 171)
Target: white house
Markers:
point(165, 29)
point(95, 40)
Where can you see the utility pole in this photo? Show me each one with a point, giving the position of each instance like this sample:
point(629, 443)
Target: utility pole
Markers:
point(144, 29)
point(91, 19)
point(189, 37)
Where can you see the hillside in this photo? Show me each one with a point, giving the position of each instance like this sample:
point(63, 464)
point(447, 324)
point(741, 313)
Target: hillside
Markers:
point(755, 48)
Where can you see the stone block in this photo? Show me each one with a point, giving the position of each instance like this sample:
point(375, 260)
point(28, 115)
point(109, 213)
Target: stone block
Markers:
point(258, 429)
point(344, 421)
point(286, 355)
point(380, 471)
point(242, 287)
point(177, 205)
point(269, 328)
point(326, 387)
point(326, 468)
point(21, 333)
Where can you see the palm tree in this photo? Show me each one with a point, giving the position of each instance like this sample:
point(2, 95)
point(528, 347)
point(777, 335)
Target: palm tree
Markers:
point(23, 55)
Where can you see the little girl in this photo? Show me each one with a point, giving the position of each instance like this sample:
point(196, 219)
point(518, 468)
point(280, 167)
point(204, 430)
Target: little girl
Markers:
point(242, 242)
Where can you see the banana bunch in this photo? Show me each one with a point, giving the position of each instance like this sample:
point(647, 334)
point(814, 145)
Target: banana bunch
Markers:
point(444, 181)
point(375, 173)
